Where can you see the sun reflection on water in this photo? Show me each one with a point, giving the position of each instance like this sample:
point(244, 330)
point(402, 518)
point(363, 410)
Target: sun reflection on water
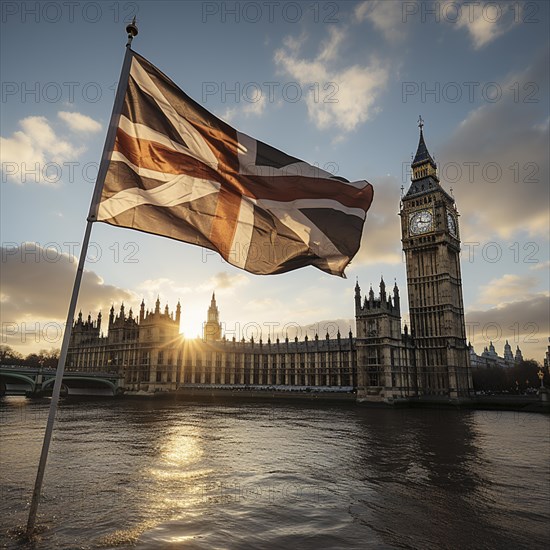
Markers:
point(174, 483)
point(181, 449)
point(179, 456)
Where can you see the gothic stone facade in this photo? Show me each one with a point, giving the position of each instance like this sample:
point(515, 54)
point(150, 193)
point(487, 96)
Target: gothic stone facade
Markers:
point(385, 355)
point(382, 363)
point(144, 350)
point(152, 355)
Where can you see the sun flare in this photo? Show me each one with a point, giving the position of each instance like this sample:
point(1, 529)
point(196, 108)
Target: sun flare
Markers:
point(192, 321)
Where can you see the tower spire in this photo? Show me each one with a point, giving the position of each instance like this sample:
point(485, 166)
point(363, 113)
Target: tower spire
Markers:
point(178, 312)
point(422, 154)
point(424, 168)
point(382, 290)
point(357, 296)
point(212, 327)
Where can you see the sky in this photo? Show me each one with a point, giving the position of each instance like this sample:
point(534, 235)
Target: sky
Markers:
point(337, 84)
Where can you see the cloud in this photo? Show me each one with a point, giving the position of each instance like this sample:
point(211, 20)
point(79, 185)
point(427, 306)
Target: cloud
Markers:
point(337, 98)
point(79, 122)
point(254, 107)
point(484, 21)
point(224, 282)
point(507, 288)
point(35, 142)
point(541, 266)
point(362, 10)
point(151, 289)
point(34, 153)
point(386, 16)
point(381, 242)
point(330, 47)
point(497, 160)
point(36, 288)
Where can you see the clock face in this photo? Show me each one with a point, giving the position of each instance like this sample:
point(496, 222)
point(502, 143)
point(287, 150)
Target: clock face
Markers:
point(421, 222)
point(451, 224)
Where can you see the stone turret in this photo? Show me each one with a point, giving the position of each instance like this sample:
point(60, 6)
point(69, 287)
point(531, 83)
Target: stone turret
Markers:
point(378, 330)
point(396, 299)
point(357, 297)
point(212, 327)
point(84, 331)
point(142, 311)
point(382, 290)
point(382, 302)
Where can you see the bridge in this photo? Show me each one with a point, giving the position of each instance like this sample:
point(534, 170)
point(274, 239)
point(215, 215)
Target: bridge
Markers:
point(33, 381)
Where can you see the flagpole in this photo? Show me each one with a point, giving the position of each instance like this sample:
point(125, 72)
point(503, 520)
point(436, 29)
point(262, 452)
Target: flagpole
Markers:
point(132, 31)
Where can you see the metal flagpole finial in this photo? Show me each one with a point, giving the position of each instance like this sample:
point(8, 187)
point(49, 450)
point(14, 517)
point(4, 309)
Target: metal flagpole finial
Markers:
point(132, 31)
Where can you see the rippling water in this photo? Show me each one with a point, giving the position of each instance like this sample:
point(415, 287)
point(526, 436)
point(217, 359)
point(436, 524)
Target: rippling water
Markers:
point(156, 474)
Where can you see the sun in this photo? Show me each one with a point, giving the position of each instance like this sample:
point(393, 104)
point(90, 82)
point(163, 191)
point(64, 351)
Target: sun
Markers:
point(192, 321)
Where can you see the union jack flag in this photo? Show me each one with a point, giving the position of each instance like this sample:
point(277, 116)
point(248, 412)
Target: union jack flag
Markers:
point(177, 170)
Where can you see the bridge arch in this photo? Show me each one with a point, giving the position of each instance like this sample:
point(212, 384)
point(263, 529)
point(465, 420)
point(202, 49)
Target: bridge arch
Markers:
point(67, 379)
point(6, 376)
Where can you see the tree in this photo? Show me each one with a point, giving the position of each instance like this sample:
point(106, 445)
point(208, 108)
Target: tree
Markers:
point(8, 356)
point(490, 378)
point(44, 358)
point(514, 379)
point(50, 358)
point(526, 373)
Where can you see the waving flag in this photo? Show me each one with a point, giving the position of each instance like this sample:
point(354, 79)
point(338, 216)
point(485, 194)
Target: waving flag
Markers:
point(178, 171)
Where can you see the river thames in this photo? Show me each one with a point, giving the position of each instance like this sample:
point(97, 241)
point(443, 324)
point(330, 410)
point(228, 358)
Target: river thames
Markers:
point(150, 474)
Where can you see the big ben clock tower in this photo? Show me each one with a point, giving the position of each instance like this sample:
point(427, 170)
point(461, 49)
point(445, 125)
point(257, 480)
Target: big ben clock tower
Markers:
point(431, 242)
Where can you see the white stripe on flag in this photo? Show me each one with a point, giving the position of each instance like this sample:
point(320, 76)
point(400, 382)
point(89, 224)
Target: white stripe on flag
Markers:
point(311, 203)
point(179, 190)
point(240, 247)
point(191, 136)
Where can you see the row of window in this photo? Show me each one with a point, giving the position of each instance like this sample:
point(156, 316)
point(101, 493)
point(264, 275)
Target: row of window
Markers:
point(190, 375)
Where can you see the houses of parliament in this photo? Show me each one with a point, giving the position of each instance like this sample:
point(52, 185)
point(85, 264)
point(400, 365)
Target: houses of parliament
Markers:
point(382, 363)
